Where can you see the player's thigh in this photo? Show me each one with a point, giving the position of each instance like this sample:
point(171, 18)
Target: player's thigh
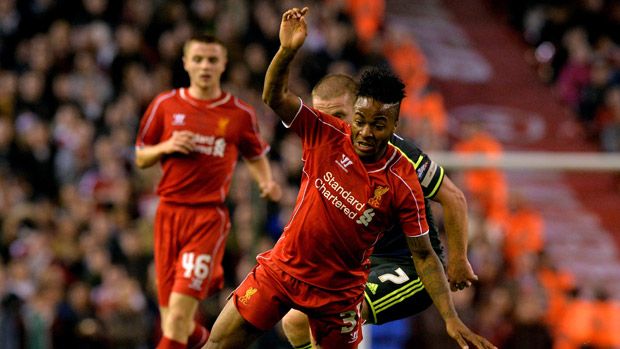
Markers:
point(295, 326)
point(394, 291)
point(231, 330)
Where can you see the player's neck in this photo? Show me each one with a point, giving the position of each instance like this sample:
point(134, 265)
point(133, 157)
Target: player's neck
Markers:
point(206, 93)
point(374, 158)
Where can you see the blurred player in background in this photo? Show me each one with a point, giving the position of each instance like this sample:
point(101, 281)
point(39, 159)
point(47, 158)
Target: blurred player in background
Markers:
point(354, 184)
point(394, 290)
point(196, 133)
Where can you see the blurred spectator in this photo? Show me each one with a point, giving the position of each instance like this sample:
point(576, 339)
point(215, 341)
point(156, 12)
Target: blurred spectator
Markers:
point(523, 232)
point(575, 74)
point(608, 120)
point(487, 187)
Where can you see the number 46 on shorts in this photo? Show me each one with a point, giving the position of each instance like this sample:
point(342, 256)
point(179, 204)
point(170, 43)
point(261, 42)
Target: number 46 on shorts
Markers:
point(199, 266)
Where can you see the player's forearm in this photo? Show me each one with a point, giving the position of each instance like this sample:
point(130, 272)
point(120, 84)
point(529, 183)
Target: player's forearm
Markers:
point(260, 170)
point(433, 277)
point(147, 156)
point(275, 90)
point(454, 207)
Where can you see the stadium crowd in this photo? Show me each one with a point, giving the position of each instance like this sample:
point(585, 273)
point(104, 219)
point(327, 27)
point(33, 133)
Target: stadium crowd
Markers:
point(575, 47)
point(76, 215)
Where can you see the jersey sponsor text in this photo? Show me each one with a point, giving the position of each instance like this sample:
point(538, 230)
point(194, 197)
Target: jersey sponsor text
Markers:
point(339, 197)
point(210, 145)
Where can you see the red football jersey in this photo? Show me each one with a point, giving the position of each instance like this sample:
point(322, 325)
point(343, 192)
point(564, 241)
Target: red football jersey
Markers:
point(343, 206)
point(222, 127)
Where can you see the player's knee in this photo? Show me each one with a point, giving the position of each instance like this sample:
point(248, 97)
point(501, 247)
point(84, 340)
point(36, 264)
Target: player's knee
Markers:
point(295, 326)
point(178, 322)
point(366, 312)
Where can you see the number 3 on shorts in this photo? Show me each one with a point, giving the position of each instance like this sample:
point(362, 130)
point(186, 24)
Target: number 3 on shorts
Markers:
point(350, 319)
point(200, 266)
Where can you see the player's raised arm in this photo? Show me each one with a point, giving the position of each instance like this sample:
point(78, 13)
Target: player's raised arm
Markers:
point(293, 32)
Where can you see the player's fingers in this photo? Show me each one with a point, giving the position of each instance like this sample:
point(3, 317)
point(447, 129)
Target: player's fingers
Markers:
point(185, 145)
point(180, 149)
point(183, 133)
point(294, 12)
point(481, 342)
point(461, 341)
point(304, 10)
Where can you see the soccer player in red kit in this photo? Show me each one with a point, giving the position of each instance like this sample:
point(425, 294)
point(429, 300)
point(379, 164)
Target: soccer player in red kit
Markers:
point(393, 289)
point(354, 185)
point(196, 134)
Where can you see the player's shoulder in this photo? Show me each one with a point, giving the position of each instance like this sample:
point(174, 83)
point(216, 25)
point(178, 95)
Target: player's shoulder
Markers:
point(163, 101)
point(408, 148)
point(240, 104)
point(325, 117)
point(400, 164)
point(166, 95)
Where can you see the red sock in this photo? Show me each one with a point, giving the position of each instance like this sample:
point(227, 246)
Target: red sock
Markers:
point(198, 338)
point(167, 343)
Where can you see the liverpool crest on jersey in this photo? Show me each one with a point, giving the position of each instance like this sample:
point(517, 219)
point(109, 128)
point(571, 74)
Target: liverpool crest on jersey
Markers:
point(221, 126)
point(375, 201)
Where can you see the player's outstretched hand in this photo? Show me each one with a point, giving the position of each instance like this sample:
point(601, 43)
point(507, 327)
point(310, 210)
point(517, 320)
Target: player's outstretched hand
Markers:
point(293, 29)
point(271, 191)
point(180, 142)
point(460, 274)
point(463, 335)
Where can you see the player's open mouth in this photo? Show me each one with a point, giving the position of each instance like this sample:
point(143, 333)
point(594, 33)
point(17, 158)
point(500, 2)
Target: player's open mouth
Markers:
point(364, 147)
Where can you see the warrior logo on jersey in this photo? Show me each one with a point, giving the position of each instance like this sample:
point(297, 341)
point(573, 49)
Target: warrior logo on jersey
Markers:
point(221, 126)
point(375, 201)
point(248, 294)
point(344, 162)
point(178, 119)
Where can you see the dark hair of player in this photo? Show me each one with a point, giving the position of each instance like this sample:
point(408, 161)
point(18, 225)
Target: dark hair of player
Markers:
point(382, 85)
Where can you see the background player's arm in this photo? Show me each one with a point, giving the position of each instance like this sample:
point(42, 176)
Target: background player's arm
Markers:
point(431, 273)
point(180, 142)
point(293, 33)
point(261, 172)
point(452, 200)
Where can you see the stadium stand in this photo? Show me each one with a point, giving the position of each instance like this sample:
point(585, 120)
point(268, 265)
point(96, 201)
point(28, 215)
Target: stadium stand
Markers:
point(76, 217)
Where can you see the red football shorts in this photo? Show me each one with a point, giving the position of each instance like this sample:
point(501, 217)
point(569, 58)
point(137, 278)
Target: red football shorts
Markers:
point(189, 247)
point(268, 293)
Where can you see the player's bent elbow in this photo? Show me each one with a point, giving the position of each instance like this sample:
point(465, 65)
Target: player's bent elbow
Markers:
point(270, 99)
point(141, 163)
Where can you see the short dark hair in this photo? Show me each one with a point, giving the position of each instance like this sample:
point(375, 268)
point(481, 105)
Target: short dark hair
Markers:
point(334, 85)
point(382, 85)
point(205, 38)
